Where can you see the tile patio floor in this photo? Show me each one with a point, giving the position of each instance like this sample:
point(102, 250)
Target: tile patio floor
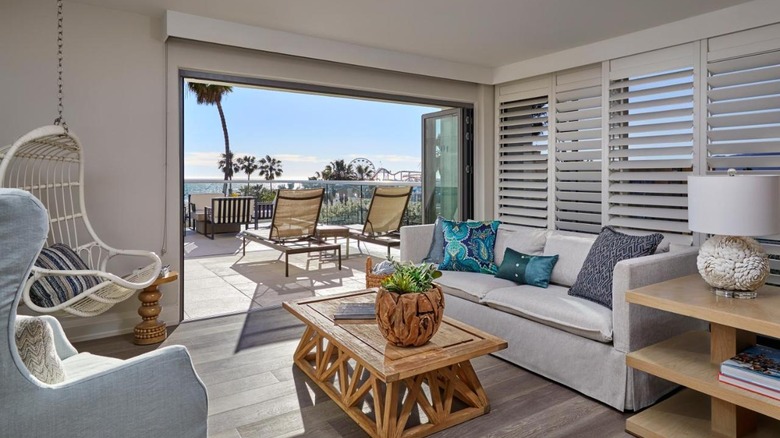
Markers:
point(218, 280)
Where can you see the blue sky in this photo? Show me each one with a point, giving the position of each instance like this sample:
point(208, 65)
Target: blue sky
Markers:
point(304, 131)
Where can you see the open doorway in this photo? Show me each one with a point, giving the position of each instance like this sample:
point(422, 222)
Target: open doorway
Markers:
point(247, 138)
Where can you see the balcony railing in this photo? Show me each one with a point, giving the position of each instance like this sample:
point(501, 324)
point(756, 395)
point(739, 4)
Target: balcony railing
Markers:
point(345, 202)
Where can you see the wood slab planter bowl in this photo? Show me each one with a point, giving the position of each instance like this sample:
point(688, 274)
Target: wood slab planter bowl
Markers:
point(410, 319)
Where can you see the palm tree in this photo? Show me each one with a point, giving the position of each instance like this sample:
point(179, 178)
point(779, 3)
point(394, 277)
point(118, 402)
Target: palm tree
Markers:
point(228, 167)
point(363, 172)
point(270, 168)
point(248, 165)
point(211, 94)
point(339, 170)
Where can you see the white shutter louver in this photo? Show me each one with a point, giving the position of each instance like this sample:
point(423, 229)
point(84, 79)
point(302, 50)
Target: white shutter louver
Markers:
point(743, 113)
point(578, 156)
point(522, 162)
point(651, 151)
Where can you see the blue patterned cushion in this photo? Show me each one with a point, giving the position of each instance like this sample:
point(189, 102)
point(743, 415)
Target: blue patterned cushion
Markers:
point(527, 269)
point(52, 290)
point(468, 246)
point(594, 282)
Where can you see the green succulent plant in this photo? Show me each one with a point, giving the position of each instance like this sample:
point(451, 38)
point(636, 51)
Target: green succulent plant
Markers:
point(411, 278)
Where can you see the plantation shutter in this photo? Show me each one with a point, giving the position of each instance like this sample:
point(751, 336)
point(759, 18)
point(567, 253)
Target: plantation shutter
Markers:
point(578, 149)
point(523, 161)
point(651, 113)
point(743, 110)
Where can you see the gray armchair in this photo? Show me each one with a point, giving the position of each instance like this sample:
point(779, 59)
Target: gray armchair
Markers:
point(154, 394)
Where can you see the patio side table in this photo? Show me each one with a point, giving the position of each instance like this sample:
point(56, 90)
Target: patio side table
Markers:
point(334, 231)
point(151, 330)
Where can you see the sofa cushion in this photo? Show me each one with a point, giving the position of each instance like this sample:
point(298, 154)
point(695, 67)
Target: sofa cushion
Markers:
point(594, 281)
point(470, 286)
point(572, 252)
point(553, 307)
point(469, 246)
point(525, 240)
point(534, 270)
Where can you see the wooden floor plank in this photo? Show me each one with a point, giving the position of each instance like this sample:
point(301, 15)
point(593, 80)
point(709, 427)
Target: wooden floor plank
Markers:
point(255, 391)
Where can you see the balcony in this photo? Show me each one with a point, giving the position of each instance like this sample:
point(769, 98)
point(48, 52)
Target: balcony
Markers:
point(219, 280)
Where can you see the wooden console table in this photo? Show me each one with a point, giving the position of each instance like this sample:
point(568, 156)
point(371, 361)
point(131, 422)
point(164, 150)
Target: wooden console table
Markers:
point(150, 330)
point(709, 408)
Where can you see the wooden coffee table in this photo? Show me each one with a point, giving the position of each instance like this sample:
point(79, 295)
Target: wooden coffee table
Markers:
point(382, 386)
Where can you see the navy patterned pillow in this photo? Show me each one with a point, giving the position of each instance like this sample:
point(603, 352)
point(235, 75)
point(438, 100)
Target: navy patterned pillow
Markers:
point(468, 246)
point(594, 282)
point(53, 290)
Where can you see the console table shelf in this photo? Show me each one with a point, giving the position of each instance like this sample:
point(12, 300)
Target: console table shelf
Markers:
point(709, 407)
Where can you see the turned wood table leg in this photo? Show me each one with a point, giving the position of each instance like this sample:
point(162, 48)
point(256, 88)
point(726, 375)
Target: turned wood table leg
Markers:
point(151, 330)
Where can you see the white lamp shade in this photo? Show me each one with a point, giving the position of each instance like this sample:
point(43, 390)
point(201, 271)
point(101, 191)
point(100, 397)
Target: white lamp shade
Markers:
point(742, 205)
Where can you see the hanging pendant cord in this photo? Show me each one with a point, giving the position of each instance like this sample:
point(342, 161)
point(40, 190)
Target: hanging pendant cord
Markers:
point(60, 120)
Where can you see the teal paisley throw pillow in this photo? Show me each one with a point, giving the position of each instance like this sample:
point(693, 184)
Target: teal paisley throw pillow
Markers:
point(468, 246)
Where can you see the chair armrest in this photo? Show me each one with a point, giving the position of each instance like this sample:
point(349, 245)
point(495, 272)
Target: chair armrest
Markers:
point(636, 326)
point(208, 213)
point(415, 242)
point(161, 383)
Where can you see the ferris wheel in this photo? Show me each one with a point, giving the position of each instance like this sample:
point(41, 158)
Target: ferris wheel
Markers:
point(365, 162)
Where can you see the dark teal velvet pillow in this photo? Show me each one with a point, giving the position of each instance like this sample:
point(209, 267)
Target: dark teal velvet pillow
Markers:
point(468, 246)
point(527, 269)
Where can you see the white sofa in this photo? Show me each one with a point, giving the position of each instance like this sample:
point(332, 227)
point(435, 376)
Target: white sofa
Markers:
point(570, 340)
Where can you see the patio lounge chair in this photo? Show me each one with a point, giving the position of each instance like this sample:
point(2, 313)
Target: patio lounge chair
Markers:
point(293, 226)
point(383, 221)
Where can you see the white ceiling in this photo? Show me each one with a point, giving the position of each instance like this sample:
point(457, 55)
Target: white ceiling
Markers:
point(487, 33)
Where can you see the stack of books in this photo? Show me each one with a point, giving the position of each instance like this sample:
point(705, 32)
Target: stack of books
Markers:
point(355, 313)
point(756, 369)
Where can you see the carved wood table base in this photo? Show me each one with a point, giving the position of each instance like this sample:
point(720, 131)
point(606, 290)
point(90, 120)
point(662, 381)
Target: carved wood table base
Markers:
point(446, 396)
point(391, 391)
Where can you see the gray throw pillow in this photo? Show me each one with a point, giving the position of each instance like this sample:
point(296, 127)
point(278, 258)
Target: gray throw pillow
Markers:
point(436, 250)
point(594, 282)
point(35, 343)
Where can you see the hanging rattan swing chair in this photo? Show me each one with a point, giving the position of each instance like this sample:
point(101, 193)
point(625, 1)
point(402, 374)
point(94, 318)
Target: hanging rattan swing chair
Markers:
point(48, 163)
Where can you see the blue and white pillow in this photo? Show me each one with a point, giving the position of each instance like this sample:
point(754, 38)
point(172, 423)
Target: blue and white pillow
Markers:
point(52, 290)
point(468, 246)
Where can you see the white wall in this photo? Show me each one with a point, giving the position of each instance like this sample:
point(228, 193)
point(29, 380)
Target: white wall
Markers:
point(121, 100)
point(115, 102)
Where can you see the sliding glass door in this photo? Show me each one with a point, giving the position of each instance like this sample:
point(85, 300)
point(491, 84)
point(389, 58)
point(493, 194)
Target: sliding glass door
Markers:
point(447, 166)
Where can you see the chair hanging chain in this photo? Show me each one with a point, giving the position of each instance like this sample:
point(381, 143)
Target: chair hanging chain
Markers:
point(60, 120)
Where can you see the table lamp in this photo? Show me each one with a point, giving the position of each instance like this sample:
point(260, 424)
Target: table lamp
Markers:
point(734, 207)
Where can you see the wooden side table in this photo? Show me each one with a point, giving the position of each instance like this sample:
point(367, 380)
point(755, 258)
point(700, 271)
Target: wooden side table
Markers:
point(709, 407)
point(151, 330)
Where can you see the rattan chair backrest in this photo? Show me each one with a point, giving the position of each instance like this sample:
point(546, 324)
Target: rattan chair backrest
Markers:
point(387, 209)
point(296, 213)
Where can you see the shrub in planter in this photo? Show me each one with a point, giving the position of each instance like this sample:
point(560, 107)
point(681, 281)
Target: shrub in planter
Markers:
point(409, 307)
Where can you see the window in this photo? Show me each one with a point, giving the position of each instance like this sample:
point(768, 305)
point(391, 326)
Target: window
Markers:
point(743, 111)
point(578, 151)
point(651, 111)
point(523, 162)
